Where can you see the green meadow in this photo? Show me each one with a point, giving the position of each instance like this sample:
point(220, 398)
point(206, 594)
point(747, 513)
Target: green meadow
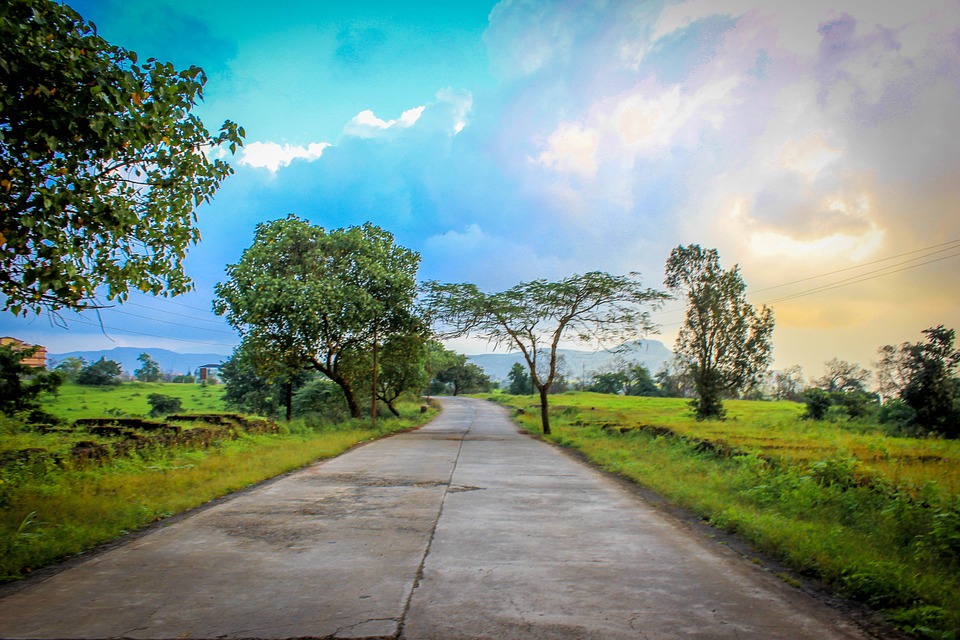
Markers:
point(873, 516)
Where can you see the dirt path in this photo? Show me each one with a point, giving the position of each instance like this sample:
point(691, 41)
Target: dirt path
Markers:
point(465, 528)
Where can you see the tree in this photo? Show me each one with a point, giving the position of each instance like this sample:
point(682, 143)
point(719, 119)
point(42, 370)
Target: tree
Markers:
point(402, 367)
point(102, 164)
point(724, 343)
point(256, 381)
point(462, 377)
point(533, 317)
point(163, 405)
point(321, 299)
point(640, 382)
point(70, 368)
point(520, 383)
point(610, 382)
point(102, 373)
point(932, 389)
point(20, 383)
point(842, 376)
point(788, 384)
point(150, 371)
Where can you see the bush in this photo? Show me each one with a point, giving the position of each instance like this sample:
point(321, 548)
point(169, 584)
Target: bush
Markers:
point(162, 405)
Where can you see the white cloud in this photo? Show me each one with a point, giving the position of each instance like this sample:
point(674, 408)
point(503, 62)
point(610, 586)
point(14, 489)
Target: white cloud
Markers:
point(272, 156)
point(366, 124)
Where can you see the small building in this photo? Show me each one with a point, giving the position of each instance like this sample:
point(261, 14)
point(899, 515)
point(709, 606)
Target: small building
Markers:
point(209, 372)
point(38, 359)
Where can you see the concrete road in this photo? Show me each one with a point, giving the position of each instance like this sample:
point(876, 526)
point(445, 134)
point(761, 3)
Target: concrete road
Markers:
point(465, 528)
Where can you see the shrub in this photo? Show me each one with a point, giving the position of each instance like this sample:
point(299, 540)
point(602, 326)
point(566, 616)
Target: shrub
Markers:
point(162, 405)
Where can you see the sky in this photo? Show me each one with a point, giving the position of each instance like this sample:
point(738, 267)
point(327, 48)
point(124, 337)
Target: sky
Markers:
point(813, 144)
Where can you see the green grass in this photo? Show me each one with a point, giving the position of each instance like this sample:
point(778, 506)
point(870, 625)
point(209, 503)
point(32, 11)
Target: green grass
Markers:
point(53, 512)
point(75, 401)
point(874, 516)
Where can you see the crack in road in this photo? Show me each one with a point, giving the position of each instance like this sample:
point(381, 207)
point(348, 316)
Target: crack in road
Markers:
point(450, 487)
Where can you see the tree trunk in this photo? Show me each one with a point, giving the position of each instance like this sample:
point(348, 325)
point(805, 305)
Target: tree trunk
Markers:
point(544, 410)
point(393, 409)
point(289, 399)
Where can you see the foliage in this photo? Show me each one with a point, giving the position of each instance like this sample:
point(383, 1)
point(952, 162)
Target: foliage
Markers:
point(150, 371)
point(842, 376)
point(402, 367)
point(932, 389)
point(252, 385)
point(102, 163)
point(631, 379)
point(70, 368)
point(309, 297)
point(163, 405)
point(533, 317)
point(788, 384)
point(520, 383)
point(833, 405)
point(101, 373)
point(20, 383)
point(320, 400)
point(459, 377)
point(723, 343)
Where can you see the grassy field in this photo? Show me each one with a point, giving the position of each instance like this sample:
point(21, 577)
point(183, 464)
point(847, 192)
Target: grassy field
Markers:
point(874, 516)
point(51, 510)
point(75, 401)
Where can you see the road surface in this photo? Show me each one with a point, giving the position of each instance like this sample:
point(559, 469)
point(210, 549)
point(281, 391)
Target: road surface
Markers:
point(465, 528)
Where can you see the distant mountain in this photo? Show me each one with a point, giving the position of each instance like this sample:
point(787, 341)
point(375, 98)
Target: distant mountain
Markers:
point(650, 353)
point(127, 357)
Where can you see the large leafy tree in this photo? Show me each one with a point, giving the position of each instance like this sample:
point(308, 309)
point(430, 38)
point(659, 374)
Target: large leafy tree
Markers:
point(102, 373)
point(534, 317)
point(102, 163)
point(926, 374)
point(322, 299)
point(724, 343)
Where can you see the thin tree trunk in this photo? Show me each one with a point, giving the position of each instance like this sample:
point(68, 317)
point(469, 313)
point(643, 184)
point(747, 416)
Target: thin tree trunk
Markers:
point(289, 400)
point(544, 411)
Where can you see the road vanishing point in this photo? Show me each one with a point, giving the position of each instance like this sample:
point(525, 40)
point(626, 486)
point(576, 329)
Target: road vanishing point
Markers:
point(463, 529)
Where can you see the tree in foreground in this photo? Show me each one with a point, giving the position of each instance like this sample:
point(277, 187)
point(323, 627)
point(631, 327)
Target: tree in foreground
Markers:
point(320, 299)
point(20, 383)
point(724, 343)
point(102, 163)
point(926, 374)
point(534, 317)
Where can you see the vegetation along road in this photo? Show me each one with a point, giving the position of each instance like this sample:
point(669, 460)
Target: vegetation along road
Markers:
point(465, 528)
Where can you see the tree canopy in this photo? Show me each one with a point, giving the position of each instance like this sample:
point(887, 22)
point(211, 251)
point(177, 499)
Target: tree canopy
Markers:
point(20, 383)
point(102, 164)
point(313, 298)
point(724, 343)
point(533, 317)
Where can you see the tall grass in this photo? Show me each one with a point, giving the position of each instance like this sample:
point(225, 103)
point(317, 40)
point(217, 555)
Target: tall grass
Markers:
point(874, 516)
point(54, 512)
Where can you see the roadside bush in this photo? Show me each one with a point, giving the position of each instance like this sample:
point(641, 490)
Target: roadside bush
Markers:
point(163, 405)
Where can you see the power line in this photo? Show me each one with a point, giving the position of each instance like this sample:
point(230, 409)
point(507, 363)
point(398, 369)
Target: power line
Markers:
point(151, 335)
point(858, 279)
point(176, 324)
point(866, 264)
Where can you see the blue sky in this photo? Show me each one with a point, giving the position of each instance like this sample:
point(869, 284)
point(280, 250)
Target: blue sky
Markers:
point(814, 144)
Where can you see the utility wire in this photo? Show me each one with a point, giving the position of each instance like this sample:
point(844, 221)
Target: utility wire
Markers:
point(858, 279)
point(151, 335)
